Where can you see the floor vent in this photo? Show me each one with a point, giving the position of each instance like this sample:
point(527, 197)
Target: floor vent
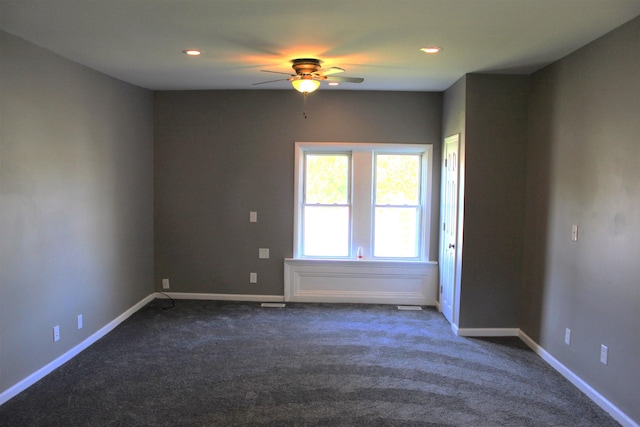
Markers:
point(410, 307)
point(273, 304)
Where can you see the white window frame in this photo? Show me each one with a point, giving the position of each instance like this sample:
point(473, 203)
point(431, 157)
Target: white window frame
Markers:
point(361, 193)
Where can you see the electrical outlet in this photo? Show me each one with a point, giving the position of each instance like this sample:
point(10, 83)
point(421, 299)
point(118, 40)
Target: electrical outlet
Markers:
point(263, 253)
point(253, 216)
point(79, 321)
point(56, 333)
point(604, 354)
point(253, 277)
point(165, 284)
point(567, 336)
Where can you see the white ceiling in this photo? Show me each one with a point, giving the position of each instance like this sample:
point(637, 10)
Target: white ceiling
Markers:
point(140, 41)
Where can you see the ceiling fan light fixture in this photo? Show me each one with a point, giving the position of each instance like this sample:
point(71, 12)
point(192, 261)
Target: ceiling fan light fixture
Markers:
point(431, 49)
point(305, 85)
point(192, 52)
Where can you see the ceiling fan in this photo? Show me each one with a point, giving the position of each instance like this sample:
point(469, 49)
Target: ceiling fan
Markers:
point(309, 74)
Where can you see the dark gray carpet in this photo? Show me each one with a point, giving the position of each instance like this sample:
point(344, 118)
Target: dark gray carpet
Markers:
point(206, 363)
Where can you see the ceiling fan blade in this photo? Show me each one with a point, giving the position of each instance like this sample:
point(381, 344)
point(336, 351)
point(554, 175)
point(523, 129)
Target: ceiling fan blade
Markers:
point(331, 70)
point(277, 72)
point(271, 81)
point(342, 79)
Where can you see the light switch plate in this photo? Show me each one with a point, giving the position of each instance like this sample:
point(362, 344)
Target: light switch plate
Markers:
point(253, 216)
point(604, 354)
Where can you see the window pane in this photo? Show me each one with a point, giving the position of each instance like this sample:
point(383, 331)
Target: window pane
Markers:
point(327, 179)
point(326, 231)
point(396, 232)
point(397, 179)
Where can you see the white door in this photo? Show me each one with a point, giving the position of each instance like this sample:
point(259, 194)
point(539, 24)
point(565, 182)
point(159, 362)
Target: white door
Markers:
point(448, 226)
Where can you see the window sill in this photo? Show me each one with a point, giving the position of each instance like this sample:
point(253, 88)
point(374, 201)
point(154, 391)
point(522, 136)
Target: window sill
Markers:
point(338, 261)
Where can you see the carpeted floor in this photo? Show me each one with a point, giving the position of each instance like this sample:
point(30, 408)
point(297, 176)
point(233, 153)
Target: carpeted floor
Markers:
point(206, 363)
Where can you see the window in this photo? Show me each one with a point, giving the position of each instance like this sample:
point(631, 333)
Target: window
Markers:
point(397, 205)
point(327, 205)
point(368, 198)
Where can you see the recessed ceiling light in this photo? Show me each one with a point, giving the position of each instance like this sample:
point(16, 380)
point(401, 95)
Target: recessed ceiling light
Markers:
point(333, 83)
point(431, 49)
point(192, 52)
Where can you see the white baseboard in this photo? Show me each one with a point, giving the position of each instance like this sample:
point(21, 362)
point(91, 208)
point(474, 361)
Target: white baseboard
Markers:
point(486, 332)
point(220, 297)
point(582, 385)
point(56, 363)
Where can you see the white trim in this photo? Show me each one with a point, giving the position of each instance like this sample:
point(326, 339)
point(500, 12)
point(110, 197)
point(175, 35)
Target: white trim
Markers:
point(365, 282)
point(486, 332)
point(582, 385)
point(361, 193)
point(454, 328)
point(27, 382)
point(220, 297)
point(578, 382)
point(404, 148)
point(451, 315)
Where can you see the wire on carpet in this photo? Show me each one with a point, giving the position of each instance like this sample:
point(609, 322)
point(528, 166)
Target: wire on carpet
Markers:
point(173, 302)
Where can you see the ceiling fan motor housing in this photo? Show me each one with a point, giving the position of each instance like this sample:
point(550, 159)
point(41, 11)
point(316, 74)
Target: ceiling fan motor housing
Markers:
point(305, 66)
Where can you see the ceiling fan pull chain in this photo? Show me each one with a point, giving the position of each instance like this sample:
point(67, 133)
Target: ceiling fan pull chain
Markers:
point(304, 107)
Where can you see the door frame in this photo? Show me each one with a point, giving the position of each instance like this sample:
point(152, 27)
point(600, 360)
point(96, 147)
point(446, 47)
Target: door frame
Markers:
point(451, 139)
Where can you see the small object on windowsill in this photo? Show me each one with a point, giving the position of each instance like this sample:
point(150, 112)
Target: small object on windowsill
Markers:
point(359, 253)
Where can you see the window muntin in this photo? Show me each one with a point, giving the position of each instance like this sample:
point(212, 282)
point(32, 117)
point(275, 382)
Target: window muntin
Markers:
point(327, 205)
point(368, 203)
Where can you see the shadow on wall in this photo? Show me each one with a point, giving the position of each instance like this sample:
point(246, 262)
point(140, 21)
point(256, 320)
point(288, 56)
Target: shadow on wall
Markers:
point(537, 208)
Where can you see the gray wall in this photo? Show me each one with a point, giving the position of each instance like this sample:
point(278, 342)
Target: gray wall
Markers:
point(496, 124)
point(77, 161)
point(583, 164)
point(220, 154)
point(490, 113)
point(76, 203)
